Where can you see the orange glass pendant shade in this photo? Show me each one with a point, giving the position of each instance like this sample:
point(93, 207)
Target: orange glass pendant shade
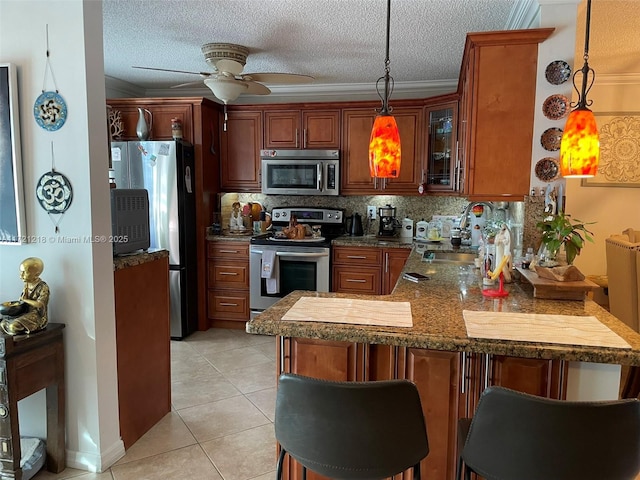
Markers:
point(384, 148)
point(580, 146)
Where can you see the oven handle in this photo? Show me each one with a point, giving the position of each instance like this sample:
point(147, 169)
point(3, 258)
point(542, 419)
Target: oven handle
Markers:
point(320, 179)
point(295, 254)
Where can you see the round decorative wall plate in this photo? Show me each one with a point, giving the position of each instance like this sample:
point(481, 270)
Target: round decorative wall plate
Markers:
point(556, 107)
point(54, 192)
point(547, 169)
point(50, 111)
point(551, 139)
point(557, 72)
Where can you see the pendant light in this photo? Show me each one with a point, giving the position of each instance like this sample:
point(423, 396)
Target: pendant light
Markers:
point(580, 146)
point(384, 144)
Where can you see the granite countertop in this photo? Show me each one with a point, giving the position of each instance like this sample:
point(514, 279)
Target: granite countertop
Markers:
point(437, 306)
point(138, 258)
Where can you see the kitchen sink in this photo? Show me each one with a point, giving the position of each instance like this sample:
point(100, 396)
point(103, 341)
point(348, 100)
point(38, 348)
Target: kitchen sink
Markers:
point(457, 258)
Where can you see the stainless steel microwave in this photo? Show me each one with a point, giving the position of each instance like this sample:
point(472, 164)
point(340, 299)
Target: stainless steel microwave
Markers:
point(300, 172)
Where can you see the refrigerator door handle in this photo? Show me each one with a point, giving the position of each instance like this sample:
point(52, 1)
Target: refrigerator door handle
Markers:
point(187, 179)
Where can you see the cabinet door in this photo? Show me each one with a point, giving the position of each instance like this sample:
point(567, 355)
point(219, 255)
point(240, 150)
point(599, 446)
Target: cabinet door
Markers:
point(356, 132)
point(441, 154)
point(437, 376)
point(240, 147)
point(394, 260)
point(544, 378)
point(351, 279)
point(321, 129)
point(325, 359)
point(282, 129)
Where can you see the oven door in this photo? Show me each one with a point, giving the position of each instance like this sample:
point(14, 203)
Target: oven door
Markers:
point(299, 268)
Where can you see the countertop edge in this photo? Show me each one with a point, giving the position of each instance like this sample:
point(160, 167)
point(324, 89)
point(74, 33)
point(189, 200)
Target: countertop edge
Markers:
point(138, 258)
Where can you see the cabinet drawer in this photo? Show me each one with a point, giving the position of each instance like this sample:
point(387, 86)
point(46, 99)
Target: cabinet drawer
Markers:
point(357, 256)
point(225, 274)
point(228, 305)
point(235, 250)
point(363, 280)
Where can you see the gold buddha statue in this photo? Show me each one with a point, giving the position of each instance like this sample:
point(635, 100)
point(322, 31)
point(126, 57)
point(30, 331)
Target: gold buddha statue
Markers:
point(32, 307)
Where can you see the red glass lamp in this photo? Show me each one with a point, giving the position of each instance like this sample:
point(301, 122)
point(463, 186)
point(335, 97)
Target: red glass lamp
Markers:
point(384, 144)
point(580, 146)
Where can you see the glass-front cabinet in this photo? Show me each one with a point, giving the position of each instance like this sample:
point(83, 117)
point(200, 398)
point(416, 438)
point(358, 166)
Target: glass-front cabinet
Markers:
point(443, 172)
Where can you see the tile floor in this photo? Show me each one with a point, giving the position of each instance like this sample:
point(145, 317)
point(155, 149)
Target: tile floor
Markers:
point(221, 423)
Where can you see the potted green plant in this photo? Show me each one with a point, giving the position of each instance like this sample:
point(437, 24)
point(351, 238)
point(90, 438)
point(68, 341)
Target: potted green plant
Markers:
point(560, 230)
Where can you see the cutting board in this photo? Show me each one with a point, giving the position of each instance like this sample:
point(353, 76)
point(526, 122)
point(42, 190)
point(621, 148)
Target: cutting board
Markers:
point(530, 327)
point(551, 289)
point(352, 311)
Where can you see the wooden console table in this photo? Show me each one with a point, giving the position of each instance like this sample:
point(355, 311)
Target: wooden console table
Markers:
point(29, 363)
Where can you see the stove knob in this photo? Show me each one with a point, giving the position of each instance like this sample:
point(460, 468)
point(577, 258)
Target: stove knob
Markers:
point(277, 214)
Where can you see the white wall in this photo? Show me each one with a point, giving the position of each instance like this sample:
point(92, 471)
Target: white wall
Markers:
point(80, 276)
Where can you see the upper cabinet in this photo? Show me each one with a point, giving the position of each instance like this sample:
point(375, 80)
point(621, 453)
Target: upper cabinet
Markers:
point(356, 131)
point(240, 145)
point(313, 129)
point(443, 170)
point(497, 86)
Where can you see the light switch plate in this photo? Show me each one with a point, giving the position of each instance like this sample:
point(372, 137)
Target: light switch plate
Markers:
point(371, 212)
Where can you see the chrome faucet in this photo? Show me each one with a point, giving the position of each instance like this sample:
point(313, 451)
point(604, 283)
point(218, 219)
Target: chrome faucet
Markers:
point(464, 230)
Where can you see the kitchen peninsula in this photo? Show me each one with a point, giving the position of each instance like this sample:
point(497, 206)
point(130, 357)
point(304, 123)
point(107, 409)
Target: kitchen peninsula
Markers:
point(450, 368)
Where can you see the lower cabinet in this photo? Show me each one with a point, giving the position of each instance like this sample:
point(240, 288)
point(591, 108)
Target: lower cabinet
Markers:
point(450, 384)
point(367, 270)
point(228, 284)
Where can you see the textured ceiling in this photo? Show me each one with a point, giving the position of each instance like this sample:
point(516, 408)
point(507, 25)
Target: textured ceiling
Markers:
point(339, 42)
point(335, 41)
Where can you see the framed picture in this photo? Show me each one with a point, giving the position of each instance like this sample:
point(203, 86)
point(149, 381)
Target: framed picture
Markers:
point(619, 150)
point(12, 224)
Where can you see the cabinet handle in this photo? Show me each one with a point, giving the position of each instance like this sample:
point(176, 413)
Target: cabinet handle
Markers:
point(304, 138)
point(281, 354)
point(229, 273)
point(355, 280)
point(386, 262)
point(297, 143)
point(463, 376)
point(364, 362)
point(357, 257)
point(228, 304)
point(229, 251)
point(487, 370)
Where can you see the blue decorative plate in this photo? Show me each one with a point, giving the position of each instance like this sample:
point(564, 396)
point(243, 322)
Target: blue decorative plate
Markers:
point(50, 111)
point(54, 192)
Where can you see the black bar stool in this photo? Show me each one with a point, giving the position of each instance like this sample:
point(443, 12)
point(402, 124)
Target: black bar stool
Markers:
point(350, 430)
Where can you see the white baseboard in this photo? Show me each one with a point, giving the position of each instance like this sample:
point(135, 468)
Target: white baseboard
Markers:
point(92, 462)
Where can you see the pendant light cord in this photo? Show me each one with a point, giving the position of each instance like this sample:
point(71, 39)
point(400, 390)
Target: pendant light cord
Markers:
point(587, 72)
point(387, 78)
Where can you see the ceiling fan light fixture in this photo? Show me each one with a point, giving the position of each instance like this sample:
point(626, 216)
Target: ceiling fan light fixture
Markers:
point(580, 145)
point(384, 143)
point(226, 90)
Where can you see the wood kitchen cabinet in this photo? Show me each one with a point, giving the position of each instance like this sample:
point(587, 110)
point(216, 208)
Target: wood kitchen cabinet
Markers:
point(240, 146)
point(497, 85)
point(228, 283)
point(368, 270)
point(199, 117)
point(312, 128)
point(356, 131)
point(442, 165)
point(450, 384)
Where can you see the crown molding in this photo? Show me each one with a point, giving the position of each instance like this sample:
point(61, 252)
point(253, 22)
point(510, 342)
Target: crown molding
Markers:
point(618, 79)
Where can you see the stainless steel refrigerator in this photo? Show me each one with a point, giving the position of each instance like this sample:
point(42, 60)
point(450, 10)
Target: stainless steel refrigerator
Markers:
point(166, 170)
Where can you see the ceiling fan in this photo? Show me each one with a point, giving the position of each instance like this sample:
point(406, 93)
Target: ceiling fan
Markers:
point(227, 82)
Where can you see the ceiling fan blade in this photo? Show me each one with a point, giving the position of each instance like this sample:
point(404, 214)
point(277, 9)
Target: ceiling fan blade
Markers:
point(284, 78)
point(255, 88)
point(203, 74)
point(188, 84)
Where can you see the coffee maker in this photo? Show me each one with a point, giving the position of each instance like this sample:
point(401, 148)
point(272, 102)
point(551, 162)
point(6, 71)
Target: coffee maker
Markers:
point(388, 221)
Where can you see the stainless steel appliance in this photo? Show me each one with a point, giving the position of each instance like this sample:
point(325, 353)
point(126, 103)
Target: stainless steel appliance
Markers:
point(301, 264)
point(166, 170)
point(388, 222)
point(300, 172)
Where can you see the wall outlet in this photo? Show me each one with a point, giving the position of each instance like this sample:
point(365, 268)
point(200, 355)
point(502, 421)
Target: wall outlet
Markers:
point(371, 212)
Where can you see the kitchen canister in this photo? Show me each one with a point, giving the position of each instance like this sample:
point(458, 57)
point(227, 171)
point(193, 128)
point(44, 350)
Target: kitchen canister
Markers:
point(421, 229)
point(407, 228)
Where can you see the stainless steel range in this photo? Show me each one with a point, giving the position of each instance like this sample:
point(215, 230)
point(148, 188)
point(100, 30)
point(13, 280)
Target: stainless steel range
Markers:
point(278, 265)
